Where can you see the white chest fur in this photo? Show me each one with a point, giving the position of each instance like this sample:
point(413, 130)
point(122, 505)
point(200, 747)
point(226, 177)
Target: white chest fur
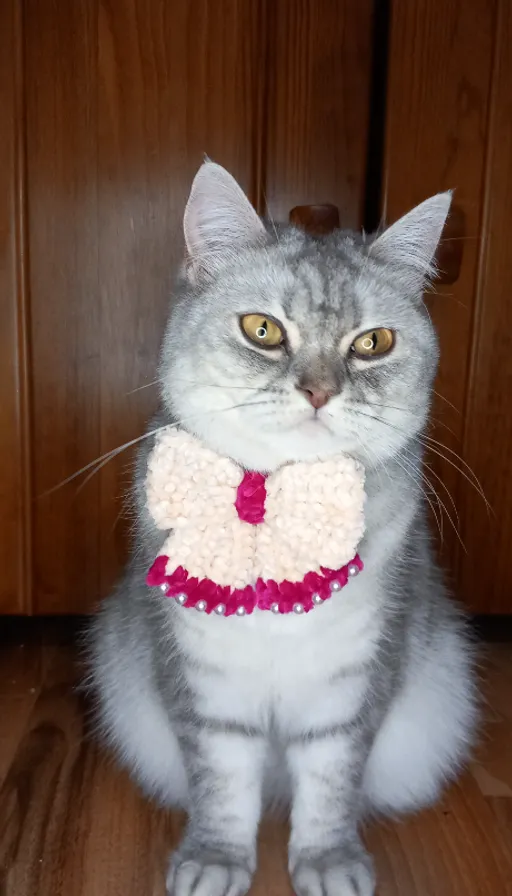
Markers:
point(291, 671)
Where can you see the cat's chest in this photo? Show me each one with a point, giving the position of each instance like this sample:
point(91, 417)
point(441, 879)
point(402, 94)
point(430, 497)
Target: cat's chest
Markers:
point(294, 672)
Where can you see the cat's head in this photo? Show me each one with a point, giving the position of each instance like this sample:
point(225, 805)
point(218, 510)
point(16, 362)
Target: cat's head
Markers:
point(282, 347)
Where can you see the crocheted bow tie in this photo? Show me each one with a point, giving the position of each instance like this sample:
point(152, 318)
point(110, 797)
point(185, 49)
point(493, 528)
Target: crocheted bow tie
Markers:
point(242, 541)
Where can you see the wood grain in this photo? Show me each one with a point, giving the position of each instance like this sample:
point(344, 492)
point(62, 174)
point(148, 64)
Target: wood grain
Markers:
point(105, 112)
point(319, 63)
point(15, 557)
point(72, 824)
point(61, 69)
point(488, 436)
point(123, 101)
point(440, 67)
point(167, 95)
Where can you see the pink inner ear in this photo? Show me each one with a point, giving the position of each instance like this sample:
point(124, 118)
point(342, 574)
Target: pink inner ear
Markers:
point(250, 498)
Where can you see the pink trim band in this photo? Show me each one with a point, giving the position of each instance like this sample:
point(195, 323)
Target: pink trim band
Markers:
point(279, 597)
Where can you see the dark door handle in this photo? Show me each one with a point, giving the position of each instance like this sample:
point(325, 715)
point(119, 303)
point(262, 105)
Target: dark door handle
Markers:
point(315, 219)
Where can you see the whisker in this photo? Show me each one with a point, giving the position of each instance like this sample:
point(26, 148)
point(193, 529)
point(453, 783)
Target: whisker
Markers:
point(428, 442)
point(97, 460)
point(455, 239)
point(457, 411)
point(474, 483)
point(379, 404)
point(97, 469)
point(100, 462)
point(222, 386)
point(196, 383)
point(441, 503)
point(448, 492)
point(477, 484)
point(435, 422)
point(145, 386)
point(423, 439)
point(270, 218)
point(446, 295)
point(407, 471)
point(377, 465)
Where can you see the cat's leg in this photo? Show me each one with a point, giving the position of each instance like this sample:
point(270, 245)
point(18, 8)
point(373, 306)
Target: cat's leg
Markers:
point(217, 856)
point(429, 729)
point(326, 855)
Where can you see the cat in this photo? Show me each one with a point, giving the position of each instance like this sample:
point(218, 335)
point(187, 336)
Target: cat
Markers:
point(368, 704)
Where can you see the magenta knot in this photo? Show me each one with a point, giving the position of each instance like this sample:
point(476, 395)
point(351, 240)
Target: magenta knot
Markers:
point(250, 498)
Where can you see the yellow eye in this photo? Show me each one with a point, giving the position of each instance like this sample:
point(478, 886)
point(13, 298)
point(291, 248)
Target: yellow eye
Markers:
point(373, 343)
point(262, 330)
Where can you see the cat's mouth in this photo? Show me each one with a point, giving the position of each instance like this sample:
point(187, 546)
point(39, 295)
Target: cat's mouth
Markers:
point(313, 425)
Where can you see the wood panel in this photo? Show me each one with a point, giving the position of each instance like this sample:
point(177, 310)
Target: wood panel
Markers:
point(123, 100)
point(319, 63)
point(486, 572)
point(168, 93)
point(61, 69)
point(440, 65)
point(14, 428)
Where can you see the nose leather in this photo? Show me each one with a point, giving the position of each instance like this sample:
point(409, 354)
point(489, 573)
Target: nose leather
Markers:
point(317, 398)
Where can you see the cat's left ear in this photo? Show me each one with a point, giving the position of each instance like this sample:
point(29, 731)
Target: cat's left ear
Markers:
point(219, 220)
point(410, 244)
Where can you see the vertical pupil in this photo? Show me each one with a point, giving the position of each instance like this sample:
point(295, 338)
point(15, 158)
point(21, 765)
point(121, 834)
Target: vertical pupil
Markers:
point(374, 341)
point(261, 332)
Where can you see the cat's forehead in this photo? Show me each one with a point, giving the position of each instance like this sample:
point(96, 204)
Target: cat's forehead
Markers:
point(316, 286)
point(325, 288)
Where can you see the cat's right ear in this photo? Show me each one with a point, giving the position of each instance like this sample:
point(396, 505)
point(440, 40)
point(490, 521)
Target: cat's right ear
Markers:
point(410, 244)
point(219, 219)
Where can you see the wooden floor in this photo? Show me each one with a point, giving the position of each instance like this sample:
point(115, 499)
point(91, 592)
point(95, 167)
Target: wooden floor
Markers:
point(71, 824)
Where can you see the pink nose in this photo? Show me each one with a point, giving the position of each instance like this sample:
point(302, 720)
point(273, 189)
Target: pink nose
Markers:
point(317, 398)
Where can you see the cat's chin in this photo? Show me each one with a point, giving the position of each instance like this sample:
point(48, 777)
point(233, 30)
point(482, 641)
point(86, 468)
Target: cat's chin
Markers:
point(313, 428)
point(267, 451)
point(308, 441)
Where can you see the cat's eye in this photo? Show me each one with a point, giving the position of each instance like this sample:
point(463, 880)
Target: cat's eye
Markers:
point(261, 330)
point(373, 343)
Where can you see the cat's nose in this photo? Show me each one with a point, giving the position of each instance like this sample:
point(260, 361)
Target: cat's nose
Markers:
point(317, 398)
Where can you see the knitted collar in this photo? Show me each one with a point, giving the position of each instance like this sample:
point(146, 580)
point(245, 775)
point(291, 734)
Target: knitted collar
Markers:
point(243, 541)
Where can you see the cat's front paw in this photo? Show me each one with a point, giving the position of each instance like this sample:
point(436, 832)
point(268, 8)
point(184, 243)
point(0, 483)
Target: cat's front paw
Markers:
point(207, 873)
point(339, 872)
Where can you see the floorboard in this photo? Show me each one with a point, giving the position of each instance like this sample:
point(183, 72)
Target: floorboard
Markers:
point(72, 824)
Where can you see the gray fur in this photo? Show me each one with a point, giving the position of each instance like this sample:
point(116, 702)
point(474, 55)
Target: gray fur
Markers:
point(389, 665)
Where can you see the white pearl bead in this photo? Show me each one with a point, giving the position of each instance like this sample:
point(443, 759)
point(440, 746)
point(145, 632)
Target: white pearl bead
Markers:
point(220, 609)
point(316, 598)
point(181, 598)
point(240, 611)
point(298, 608)
point(335, 586)
point(275, 608)
point(201, 606)
point(353, 570)
point(164, 588)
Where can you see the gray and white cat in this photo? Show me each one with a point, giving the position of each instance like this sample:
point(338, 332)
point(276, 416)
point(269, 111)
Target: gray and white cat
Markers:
point(367, 704)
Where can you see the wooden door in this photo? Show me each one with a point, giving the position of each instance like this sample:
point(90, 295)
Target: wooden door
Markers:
point(449, 126)
point(107, 107)
point(15, 482)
